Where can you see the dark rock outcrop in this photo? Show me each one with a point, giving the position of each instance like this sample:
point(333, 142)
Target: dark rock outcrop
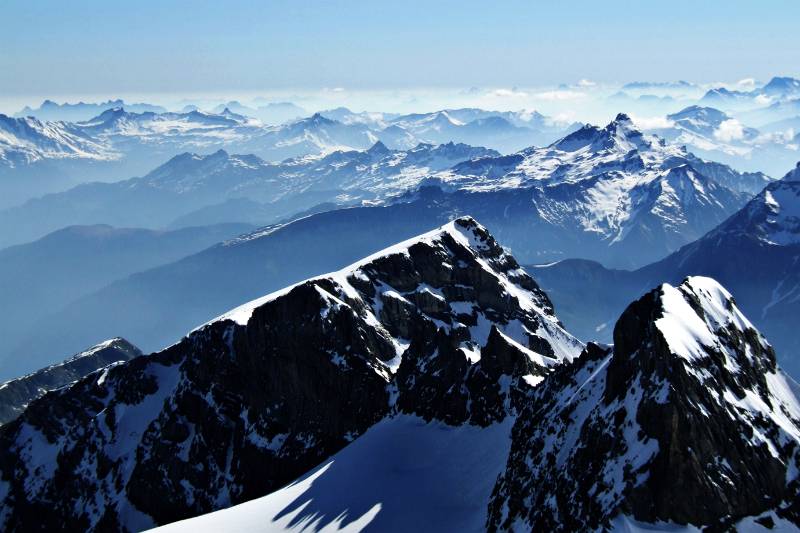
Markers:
point(16, 394)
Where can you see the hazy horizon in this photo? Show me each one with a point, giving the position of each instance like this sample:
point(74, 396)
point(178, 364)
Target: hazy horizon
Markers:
point(283, 48)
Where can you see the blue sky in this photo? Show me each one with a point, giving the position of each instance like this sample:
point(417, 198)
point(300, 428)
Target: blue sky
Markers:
point(90, 47)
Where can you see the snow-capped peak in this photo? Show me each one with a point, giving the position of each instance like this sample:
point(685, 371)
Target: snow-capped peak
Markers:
point(781, 87)
point(443, 118)
point(688, 406)
point(694, 312)
point(772, 216)
point(624, 134)
point(378, 149)
point(317, 119)
point(703, 114)
point(459, 237)
point(620, 135)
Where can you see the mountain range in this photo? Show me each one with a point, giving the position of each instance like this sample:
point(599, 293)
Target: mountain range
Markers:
point(196, 190)
point(505, 131)
point(718, 136)
point(596, 193)
point(54, 112)
point(42, 156)
point(444, 346)
point(776, 89)
point(268, 113)
point(607, 194)
point(611, 194)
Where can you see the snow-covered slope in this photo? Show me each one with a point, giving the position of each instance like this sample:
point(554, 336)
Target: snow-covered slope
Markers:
point(687, 420)
point(773, 216)
point(131, 133)
point(445, 327)
point(403, 474)
point(24, 141)
point(377, 173)
point(618, 148)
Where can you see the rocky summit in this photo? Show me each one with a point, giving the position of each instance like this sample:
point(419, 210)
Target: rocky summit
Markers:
point(687, 420)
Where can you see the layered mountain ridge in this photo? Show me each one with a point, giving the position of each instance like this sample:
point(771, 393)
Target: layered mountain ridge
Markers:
point(196, 190)
point(624, 207)
point(612, 194)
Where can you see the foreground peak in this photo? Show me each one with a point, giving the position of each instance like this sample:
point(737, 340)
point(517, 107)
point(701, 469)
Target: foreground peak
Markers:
point(688, 406)
point(445, 327)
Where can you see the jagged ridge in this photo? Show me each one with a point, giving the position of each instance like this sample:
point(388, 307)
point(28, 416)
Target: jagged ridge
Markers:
point(446, 326)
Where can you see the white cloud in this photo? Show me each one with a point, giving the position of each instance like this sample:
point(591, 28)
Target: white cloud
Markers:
point(560, 95)
point(763, 99)
point(746, 84)
point(506, 93)
point(563, 118)
point(778, 137)
point(652, 123)
point(730, 130)
point(586, 83)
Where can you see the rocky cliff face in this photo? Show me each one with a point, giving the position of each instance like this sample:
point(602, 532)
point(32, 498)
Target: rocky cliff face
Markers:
point(687, 420)
point(16, 394)
point(446, 326)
